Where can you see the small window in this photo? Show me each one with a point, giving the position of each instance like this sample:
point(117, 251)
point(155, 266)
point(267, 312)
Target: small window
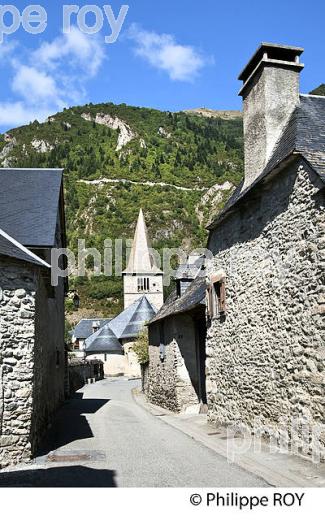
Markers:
point(216, 298)
point(143, 284)
point(58, 358)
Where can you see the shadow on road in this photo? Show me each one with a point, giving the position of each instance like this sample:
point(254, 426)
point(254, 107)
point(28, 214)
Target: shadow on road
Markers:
point(70, 424)
point(64, 476)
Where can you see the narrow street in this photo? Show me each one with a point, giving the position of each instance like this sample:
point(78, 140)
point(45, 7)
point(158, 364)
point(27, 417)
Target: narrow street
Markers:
point(103, 438)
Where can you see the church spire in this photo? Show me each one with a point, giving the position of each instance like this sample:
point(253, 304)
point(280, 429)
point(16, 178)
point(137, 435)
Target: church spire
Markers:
point(140, 260)
point(142, 277)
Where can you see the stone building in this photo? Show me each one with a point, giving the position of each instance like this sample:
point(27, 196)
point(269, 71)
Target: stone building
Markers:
point(265, 294)
point(175, 375)
point(112, 340)
point(32, 354)
point(266, 301)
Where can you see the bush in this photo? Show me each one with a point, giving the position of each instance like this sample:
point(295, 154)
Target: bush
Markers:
point(141, 347)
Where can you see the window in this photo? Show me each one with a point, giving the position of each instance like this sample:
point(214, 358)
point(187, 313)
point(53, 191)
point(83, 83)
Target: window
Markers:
point(58, 358)
point(216, 297)
point(143, 284)
point(162, 346)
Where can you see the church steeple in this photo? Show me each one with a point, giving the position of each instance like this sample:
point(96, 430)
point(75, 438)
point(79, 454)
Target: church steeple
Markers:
point(140, 260)
point(142, 277)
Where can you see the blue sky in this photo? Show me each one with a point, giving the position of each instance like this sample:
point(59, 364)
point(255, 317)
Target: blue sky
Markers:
point(170, 55)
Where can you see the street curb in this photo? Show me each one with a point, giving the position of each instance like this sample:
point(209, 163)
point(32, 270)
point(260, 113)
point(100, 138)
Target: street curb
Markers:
point(276, 469)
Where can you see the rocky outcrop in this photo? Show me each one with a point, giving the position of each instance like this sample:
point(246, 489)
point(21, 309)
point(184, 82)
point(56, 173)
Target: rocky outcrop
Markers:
point(41, 146)
point(163, 133)
point(7, 149)
point(126, 134)
point(222, 114)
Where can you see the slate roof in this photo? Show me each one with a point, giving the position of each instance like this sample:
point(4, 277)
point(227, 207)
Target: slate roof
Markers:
point(29, 204)
point(84, 328)
point(193, 297)
point(130, 321)
point(103, 341)
point(11, 248)
point(126, 325)
point(189, 270)
point(304, 135)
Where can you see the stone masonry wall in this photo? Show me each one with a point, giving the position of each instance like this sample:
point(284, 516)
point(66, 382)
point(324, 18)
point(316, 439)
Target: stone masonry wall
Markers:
point(17, 312)
point(168, 381)
point(265, 361)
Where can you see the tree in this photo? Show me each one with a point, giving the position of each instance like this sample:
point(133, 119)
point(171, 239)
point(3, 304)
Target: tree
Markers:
point(141, 347)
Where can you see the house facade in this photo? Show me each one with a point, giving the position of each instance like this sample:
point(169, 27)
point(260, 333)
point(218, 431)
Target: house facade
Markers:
point(33, 368)
point(175, 375)
point(265, 293)
point(265, 348)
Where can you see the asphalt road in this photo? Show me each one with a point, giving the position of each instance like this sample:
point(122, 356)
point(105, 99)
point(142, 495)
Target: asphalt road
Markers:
point(103, 438)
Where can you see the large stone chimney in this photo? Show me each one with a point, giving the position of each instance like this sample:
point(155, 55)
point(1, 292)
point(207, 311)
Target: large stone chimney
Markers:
point(270, 94)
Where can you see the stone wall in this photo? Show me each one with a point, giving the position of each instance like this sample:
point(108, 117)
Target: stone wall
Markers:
point(265, 361)
point(170, 381)
point(32, 358)
point(17, 336)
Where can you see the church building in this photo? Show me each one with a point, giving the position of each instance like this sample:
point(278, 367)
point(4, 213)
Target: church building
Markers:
point(112, 340)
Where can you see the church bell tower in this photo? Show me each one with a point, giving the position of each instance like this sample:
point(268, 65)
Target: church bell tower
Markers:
point(142, 277)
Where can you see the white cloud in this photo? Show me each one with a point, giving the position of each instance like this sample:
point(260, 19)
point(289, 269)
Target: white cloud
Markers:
point(50, 78)
point(34, 85)
point(17, 113)
point(80, 49)
point(181, 62)
point(6, 49)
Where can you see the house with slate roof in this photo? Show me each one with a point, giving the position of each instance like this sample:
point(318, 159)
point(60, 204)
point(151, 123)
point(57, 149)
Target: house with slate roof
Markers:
point(265, 364)
point(175, 375)
point(84, 329)
point(32, 353)
point(265, 293)
point(112, 340)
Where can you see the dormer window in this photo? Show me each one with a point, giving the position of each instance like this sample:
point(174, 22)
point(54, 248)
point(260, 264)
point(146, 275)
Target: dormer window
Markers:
point(143, 284)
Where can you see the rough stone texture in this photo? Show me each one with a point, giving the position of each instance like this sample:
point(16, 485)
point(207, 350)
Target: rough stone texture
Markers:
point(17, 341)
point(170, 382)
point(265, 361)
point(268, 104)
point(126, 134)
point(32, 361)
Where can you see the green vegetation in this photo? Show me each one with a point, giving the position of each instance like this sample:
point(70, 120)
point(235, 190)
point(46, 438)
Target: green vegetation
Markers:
point(319, 91)
point(140, 347)
point(190, 152)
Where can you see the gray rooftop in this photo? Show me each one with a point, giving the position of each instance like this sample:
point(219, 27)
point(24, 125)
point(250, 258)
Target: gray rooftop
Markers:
point(192, 298)
point(130, 321)
point(29, 204)
point(84, 328)
point(103, 341)
point(304, 135)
